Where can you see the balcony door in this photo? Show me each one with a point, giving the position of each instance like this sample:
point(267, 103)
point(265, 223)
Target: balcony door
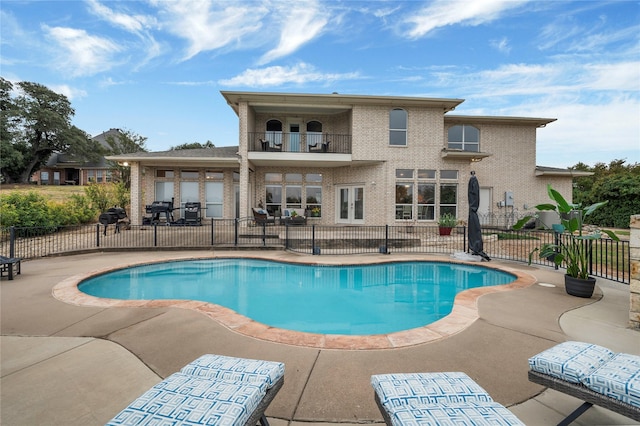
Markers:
point(294, 137)
point(350, 202)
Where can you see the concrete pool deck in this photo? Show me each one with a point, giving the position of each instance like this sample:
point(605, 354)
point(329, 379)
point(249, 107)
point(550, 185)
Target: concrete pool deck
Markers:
point(65, 364)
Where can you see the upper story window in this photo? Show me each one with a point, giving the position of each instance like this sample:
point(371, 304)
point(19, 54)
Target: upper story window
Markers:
point(464, 137)
point(274, 126)
point(398, 127)
point(314, 126)
point(274, 133)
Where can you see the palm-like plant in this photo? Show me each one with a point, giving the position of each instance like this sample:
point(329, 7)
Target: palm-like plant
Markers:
point(573, 247)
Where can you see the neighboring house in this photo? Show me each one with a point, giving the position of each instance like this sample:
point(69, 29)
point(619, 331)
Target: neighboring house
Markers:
point(64, 169)
point(353, 160)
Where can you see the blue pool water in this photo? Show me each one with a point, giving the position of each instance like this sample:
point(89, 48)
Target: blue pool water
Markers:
point(352, 300)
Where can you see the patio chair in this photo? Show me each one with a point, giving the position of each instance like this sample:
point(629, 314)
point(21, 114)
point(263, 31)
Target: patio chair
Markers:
point(437, 398)
point(591, 373)
point(9, 266)
point(262, 217)
point(213, 389)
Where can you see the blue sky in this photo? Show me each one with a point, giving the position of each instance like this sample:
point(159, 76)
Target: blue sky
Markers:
point(156, 67)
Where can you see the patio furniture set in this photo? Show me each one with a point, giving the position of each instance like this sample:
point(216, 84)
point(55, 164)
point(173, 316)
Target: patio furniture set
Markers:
point(288, 217)
point(222, 390)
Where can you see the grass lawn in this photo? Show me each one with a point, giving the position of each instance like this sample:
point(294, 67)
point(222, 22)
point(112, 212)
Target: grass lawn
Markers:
point(51, 192)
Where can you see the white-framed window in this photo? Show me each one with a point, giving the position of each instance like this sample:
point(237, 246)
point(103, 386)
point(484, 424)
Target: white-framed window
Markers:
point(449, 174)
point(436, 193)
point(293, 196)
point(189, 192)
point(189, 174)
point(314, 135)
point(449, 199)
point(398, 127)
point(464, 137)
point(273, 199)
point(404, 194)
point(164, 191)
point(274, 133)
point(44, 178)
point(426, 201)
point(91, 176)
point(294, 191)
point(214, 199)
point(314, 200)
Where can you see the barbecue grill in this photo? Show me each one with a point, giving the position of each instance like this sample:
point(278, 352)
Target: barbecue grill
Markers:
point(112, 216)
point(156, 210)
point(192, 215)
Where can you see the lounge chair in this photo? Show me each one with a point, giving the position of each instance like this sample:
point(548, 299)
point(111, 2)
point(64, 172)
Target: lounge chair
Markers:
point(9, 266)
point(213, 389)
point(262, 217)
point(591, 373)
point(435, 399)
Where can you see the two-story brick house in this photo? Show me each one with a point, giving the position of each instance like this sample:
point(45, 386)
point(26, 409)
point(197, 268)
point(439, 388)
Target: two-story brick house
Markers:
point(351, 159)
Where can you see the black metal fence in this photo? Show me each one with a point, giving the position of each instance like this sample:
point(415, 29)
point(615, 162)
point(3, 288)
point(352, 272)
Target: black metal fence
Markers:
point(609, 259)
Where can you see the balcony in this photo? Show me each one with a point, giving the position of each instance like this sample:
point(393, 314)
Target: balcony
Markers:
point(311, 143)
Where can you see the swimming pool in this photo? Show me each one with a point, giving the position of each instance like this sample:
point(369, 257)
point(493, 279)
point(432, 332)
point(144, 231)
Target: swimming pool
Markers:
point(327, 299)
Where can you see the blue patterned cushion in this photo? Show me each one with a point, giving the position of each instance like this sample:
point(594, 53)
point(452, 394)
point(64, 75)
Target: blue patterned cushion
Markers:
point(467, 414)
point(260, 373)
point(619, 378)
point(570, 361)
point(189, 400)
point(396, 390)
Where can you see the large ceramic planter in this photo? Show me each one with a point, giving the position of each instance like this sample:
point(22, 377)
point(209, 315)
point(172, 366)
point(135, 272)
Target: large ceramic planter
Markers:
point(579, 287)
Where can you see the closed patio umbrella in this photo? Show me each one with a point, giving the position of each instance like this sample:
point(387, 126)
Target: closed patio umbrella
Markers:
point(474, 230)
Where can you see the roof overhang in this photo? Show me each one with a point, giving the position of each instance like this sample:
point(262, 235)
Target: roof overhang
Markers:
point(549, 171)
point(280, 159)
point(327, 103)
point(177, 161)
point(458, 154)
point(510, 121)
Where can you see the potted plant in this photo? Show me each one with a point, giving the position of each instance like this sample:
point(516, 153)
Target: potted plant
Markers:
point(446, 223)
point(571, 247)
point(315, 212)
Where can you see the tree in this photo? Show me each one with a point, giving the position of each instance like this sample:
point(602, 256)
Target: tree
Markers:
point(126, 142)
point(36, 122)
point(617, 182)
point(194, 145)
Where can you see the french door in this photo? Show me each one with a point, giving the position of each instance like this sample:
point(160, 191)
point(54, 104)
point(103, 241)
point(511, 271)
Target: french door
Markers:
point(350, 202)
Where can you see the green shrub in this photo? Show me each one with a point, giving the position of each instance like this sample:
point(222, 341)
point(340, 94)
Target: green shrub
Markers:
point(32, 209)
point(81, 210)
point(99, 196)
point(25, 209)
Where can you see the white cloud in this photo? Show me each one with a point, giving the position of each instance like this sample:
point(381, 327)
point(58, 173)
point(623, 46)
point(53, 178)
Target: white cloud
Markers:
point(589, 133)
point(303, 23)
point(501, 45)
point(208, 25)
point(441, 13)
point(138, 24)
point(83, 54)
point(131, 23)
point(278, 75)
point(70, 92)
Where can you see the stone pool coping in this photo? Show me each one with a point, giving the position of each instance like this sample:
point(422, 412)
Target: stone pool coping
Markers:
point(463, 314)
